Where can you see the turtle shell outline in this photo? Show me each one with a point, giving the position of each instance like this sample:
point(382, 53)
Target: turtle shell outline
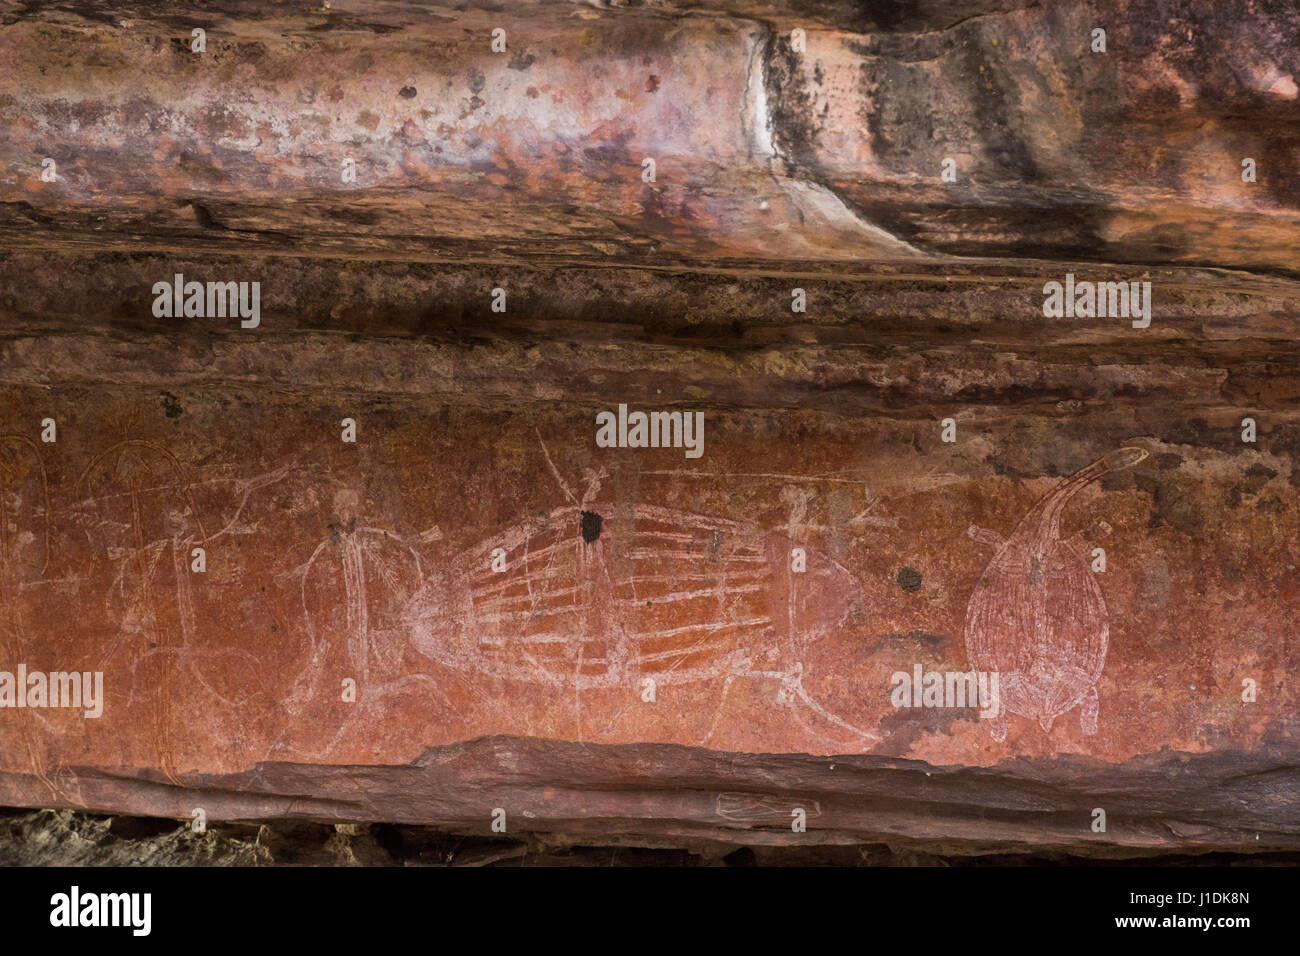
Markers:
point(1037, 615)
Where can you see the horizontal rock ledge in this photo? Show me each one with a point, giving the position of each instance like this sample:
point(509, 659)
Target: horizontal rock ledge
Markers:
point(648, 795)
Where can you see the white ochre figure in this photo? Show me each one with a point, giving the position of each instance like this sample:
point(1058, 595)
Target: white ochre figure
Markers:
point(1037, 616)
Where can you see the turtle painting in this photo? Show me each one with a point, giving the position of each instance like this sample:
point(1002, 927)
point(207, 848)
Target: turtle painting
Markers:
point(1037, 616)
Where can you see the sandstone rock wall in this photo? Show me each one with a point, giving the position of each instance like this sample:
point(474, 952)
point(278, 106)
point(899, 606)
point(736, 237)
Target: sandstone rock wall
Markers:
point(474, 605)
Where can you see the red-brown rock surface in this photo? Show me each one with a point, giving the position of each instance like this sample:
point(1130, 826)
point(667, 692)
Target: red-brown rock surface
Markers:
point(525, 688)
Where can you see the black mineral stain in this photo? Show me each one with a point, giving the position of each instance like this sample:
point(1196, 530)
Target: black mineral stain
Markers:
point(790, 105)
point(591, 523)
point(476, 81)
point(406, 92)
point(171, 407)
point(909, 579)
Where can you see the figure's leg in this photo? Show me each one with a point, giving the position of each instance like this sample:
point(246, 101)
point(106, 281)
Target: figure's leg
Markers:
point(792, 691)
point(998, 722)
point(717, 714)
point(997, 727)
point(169, 770)
point(1088, 711)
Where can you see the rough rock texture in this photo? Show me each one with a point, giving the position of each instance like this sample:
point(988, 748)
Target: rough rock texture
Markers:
point(1131, 155)
point(525, 688)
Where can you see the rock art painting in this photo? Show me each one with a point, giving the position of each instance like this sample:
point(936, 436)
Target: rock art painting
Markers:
point(598, 594)
point(340, 620)
point(595, 596)
point(361, 638)
point(652, 425)
point(139, 508)
point(133, 498)
point(1038, 617)
point(24, 558)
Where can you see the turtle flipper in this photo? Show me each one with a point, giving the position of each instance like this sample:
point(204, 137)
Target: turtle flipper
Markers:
point(998, 727)
point(1098, 529)
point(1088, 711)
point(985, 536)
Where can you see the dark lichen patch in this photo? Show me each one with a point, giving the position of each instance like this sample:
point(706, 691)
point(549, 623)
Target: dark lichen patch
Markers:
point(171, 406)
point(909, 579)
point(1258, 475)
point(1175, 504)
point(591, 525)
point(407, 92)
point(904, 726)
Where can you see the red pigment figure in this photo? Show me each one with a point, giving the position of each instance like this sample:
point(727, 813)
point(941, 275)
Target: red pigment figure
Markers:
point(1037, 616)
